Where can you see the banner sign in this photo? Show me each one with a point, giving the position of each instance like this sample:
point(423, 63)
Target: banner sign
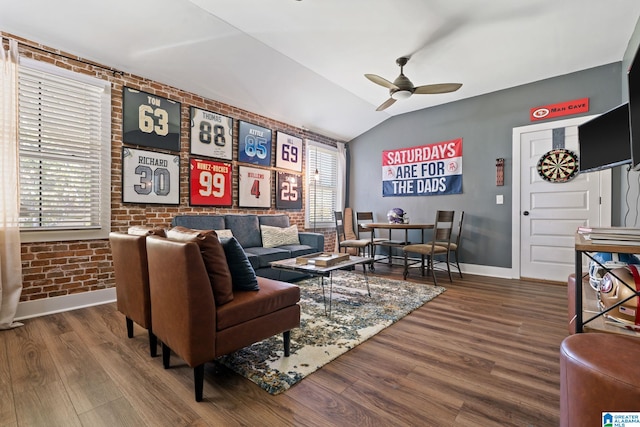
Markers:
point(425, 170)
point(562, 109)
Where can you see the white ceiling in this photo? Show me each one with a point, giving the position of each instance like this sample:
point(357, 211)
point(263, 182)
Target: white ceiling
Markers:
point(303, 62)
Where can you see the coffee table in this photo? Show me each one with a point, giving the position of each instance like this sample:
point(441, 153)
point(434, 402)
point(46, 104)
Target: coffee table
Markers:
point(323, 272)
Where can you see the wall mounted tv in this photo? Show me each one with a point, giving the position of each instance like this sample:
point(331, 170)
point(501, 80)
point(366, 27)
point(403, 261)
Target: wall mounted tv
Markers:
point(605, 140)
point(633, 77)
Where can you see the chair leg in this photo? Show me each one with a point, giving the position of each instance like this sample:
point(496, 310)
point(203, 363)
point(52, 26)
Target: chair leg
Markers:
point(286, 337)
point(129, 327)
point(405, 272)
point(449, 268)
point(153, 344)
point(166, 356)
point(433, 271)
point(455, 253)
point(198, 380)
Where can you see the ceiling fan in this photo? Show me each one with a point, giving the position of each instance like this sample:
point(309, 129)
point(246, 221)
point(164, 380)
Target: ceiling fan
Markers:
point(402, 88)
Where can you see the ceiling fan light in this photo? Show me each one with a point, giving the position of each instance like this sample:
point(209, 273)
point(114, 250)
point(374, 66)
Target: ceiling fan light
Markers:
point(401, 94)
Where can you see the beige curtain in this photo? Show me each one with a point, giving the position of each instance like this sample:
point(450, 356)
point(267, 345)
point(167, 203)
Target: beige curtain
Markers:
point(10, 262)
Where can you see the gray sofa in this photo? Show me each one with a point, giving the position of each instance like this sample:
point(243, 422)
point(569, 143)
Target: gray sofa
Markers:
point(246, 229)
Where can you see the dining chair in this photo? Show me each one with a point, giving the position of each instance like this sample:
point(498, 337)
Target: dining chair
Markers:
point(348, 241)
point(363, 218)
point(439, 245)
point(454, 246)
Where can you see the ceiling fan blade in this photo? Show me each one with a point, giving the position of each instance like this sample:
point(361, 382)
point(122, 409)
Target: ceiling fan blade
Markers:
point(382, 82)
point(437, 88)
point(389, 102)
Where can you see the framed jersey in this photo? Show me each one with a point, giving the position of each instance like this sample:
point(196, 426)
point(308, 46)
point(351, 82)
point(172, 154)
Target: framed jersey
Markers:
point(211, 134)
point(254, 144)
point(150, 120)
point(289, 191)
point(254, 187)
point(209, 183)
point(288, 152)
point(150, 177)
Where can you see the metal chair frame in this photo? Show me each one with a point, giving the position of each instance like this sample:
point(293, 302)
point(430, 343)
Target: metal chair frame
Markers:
point(442, 231)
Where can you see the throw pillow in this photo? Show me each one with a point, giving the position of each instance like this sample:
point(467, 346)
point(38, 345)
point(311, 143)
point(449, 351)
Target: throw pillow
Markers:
point(224, 234)
point(242, 273)
point(278, 236)
point(214, 259)
point(145, 230)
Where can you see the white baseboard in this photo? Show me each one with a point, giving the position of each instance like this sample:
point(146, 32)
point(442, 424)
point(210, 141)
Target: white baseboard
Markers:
point(485, 270)
point(43, 307)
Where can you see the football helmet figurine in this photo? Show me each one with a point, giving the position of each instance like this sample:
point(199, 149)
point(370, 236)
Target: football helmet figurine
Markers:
point(606, 262)
point(396, 216)
point(612, 291)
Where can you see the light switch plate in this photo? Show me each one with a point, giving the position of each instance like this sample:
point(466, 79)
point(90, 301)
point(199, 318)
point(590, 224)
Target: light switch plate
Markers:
point(499, 199)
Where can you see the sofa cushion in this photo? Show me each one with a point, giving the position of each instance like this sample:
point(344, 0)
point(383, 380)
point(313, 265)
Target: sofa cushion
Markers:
point(245, 229)
point(298, 250)
point(277, 236)
point(146, 230)
point(224, 234)
point(214, 259)
point(266, 255)
point(242, 273)
point(254, 260)
point(272, 296)
point(199, 222)
point(279, 220)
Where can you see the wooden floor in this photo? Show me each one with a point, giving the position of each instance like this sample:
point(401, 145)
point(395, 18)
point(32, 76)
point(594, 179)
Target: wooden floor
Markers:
point(484, 353)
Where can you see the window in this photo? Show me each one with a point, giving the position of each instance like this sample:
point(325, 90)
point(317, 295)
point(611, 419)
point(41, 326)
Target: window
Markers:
point(323, 192)
point(65, 161)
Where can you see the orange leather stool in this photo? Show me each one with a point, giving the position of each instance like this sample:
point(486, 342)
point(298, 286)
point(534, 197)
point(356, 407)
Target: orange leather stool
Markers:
point(598, 373)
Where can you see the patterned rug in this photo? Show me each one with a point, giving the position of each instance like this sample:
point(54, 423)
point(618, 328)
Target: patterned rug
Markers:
point(355, 317)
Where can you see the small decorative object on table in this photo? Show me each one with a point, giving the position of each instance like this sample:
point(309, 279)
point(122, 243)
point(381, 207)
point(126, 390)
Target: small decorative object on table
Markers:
point(396, 216)
point(323, 259)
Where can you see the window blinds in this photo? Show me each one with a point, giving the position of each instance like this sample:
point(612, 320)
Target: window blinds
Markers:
point(61, 132)
point(322, 193)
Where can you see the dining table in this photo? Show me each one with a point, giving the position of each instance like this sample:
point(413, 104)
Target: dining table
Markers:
point(391, 243)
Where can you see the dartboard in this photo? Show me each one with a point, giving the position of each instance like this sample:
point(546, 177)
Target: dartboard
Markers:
point(558, 165)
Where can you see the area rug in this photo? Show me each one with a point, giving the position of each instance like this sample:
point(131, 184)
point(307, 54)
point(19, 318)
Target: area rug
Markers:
point(355, 317)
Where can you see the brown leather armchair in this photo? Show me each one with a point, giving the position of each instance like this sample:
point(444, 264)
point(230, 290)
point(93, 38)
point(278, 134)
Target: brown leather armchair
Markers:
point(132, 283)
point(187, 320)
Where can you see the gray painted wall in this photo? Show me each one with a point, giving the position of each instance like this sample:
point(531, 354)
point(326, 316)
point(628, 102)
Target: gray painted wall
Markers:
point(485, 124)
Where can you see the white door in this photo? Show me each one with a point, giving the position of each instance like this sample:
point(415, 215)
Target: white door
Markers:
point(550, 212)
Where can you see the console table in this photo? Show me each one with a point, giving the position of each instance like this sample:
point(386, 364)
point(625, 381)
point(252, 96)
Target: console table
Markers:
point(586, 247)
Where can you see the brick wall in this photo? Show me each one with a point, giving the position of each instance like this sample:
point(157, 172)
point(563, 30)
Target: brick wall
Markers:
point(62, 268)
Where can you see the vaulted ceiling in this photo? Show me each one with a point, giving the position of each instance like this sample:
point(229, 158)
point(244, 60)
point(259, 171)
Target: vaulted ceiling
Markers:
point(303, 62)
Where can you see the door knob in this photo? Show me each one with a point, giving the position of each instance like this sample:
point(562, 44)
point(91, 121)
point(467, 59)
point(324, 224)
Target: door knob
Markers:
point(525, 213)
